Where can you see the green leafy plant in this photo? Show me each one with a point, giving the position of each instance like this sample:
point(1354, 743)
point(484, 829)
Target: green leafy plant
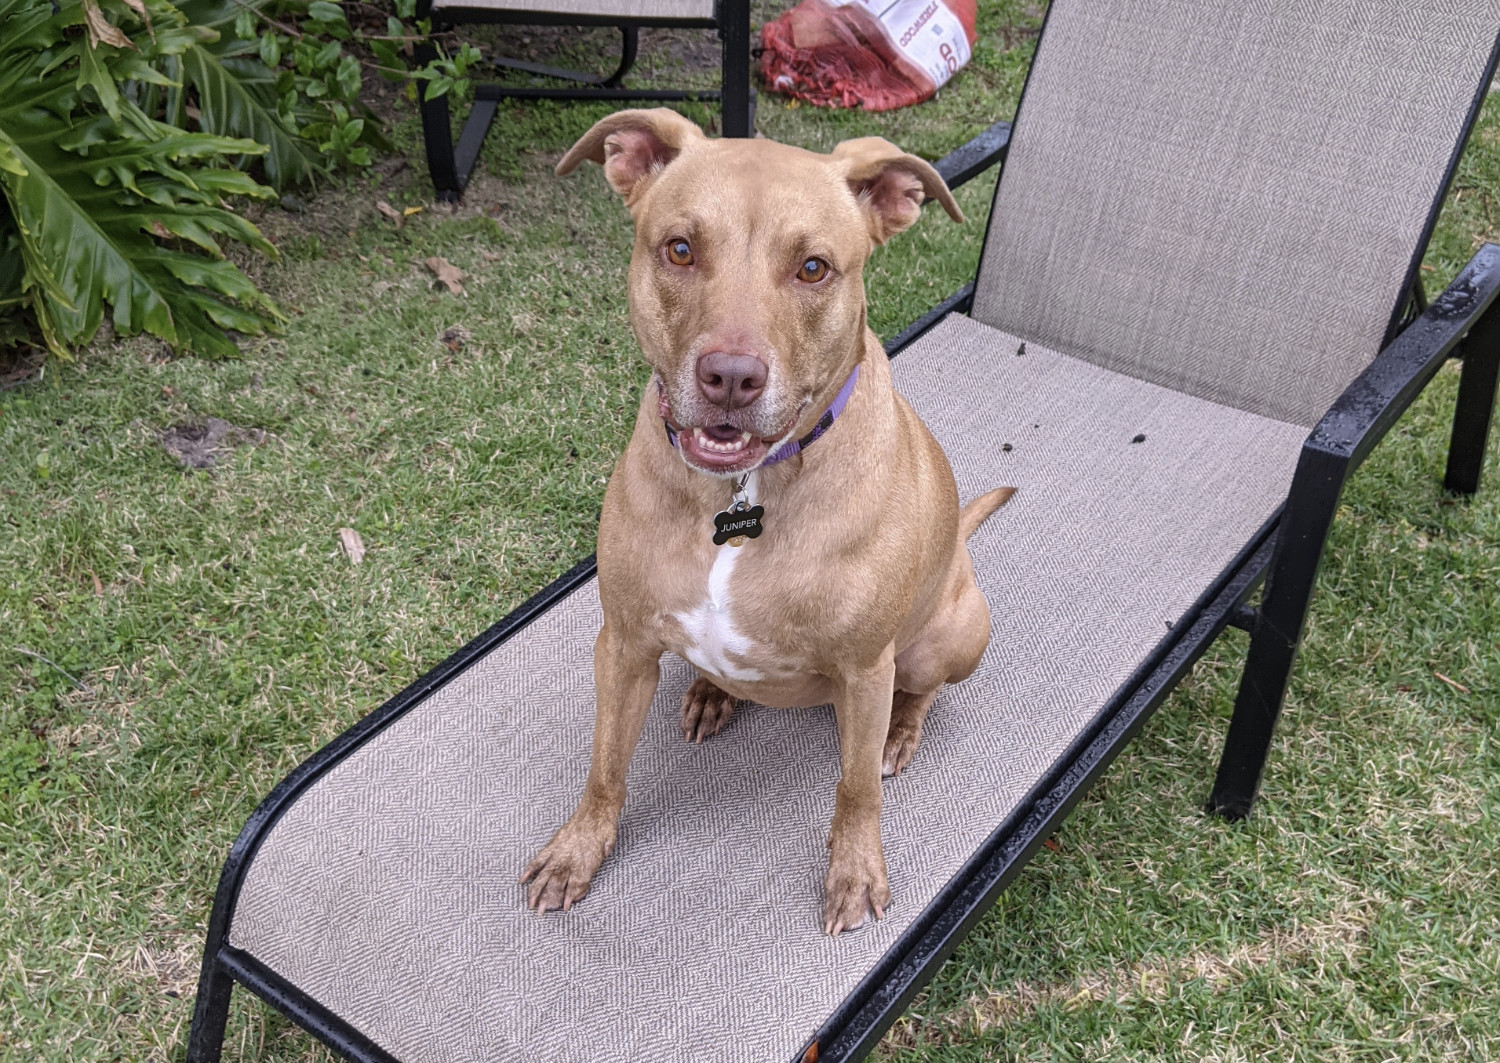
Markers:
point(102, 202)
point(290, 86)
point(287, 73)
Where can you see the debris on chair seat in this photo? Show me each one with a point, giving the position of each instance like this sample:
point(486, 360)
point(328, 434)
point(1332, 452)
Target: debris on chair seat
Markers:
point(1006, 447)
point(1140, 438)
point(1021, 350)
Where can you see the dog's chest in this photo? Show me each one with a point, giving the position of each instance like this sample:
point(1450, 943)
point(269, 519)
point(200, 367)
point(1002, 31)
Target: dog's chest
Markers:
point(713, 642)
point(712, 639)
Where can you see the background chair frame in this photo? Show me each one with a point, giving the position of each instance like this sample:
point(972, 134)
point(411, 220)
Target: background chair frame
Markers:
point(1284, 555)
point(450, 164)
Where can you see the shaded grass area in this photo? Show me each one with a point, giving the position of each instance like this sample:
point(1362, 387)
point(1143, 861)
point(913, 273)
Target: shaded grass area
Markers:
point(203, 633)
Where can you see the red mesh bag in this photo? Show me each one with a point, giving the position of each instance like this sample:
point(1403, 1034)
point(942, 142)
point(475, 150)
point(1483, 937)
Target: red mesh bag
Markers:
point(875, 54)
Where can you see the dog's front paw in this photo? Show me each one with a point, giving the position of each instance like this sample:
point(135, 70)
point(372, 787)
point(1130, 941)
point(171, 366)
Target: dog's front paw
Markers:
point(855, 889)
point(561, 872)
point(705, 710)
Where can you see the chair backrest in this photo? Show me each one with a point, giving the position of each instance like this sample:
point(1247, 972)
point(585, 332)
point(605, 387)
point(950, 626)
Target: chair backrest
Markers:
point(1228, 198)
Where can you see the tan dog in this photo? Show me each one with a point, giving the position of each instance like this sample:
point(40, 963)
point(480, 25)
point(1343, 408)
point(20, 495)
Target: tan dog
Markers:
point(747, 297)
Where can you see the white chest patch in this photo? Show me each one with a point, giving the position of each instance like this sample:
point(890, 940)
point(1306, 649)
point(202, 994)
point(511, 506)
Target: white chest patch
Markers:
point(713, 642)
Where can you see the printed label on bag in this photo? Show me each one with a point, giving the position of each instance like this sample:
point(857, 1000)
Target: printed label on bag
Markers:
point(927, 33)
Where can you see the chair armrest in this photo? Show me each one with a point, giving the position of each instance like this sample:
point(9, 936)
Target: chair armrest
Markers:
point(973, 158)
point(1367, 409)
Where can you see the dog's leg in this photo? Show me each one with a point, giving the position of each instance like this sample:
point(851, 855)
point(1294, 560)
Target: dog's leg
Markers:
point(856, 884)
point(705, 710)
point(625, 678)
point(947, 651)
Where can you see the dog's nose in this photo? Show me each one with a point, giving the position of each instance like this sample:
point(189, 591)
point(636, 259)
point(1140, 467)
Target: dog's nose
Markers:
point(731, 380)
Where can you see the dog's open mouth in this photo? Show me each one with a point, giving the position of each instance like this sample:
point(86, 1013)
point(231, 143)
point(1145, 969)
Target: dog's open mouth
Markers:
point(722, 448)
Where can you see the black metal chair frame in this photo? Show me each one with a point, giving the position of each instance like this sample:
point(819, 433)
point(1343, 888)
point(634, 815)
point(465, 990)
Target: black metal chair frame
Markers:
point(1284, 554)
point(450, 164)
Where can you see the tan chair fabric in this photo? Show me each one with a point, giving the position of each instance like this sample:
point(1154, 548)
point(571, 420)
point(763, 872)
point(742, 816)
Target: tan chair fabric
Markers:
point(624, 9)
point(388, 891)
point(1225, 198)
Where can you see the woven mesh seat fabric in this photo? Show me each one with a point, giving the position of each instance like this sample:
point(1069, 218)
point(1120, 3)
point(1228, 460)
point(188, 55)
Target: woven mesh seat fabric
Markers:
point(388, 890)
point(1225, 198)
point(666, 10)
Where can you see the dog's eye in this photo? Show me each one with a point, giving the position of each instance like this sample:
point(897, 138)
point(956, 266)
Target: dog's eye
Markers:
point(679, 252)
point(812, 271)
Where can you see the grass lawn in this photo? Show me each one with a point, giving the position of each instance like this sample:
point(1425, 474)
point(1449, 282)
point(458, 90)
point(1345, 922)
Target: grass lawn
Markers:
point(175, 640)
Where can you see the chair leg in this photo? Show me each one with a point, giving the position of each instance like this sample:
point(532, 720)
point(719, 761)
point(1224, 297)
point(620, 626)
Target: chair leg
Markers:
point(1277, 631)
point(1476, 405)
point(630, 42)
point(737, 96)
point(437, 135)
point(210, 1014)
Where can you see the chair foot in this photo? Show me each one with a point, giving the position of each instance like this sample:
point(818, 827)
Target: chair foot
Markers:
point(737, 95)
point(210, 1014)
point(1230, 809)
point(1276, 629)
point(1475, 408)
point(437, 136)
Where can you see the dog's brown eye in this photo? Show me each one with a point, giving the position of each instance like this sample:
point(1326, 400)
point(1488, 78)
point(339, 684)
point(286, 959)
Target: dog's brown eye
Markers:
point(679, 252)
point(812, 271)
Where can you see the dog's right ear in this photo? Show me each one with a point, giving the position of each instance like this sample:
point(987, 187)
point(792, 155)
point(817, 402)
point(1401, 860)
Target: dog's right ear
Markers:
point(633, 147)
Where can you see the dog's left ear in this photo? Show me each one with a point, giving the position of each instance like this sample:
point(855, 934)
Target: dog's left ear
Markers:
point(891, 185)
point(633, 147)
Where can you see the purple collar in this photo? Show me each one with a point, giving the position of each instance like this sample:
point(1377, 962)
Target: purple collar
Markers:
point(797, 446)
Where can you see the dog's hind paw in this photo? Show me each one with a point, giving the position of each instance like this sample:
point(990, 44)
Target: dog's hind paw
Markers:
point(705, 710)
point(900, 746)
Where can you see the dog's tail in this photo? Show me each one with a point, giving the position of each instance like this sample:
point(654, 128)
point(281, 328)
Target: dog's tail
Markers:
point(978, 510)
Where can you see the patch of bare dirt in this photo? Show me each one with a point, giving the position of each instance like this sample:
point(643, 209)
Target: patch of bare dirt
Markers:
point(199, 445)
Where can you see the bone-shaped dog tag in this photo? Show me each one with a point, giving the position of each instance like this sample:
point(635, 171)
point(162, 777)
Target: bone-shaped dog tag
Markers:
point(738, 523)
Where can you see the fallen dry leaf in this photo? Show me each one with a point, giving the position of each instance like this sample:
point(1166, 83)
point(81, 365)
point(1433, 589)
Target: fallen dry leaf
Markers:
point(447, 273)
point(390, 212)
point(100, 29)
point(140, 9)
point(489, 256)
point(409, 211)
point(354, 546)
point(98, 585)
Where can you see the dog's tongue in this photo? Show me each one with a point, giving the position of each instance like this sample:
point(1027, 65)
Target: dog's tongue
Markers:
point(723, 433)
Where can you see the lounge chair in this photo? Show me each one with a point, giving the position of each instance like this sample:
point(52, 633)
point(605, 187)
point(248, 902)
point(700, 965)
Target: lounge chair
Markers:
point(1196, 313)
point(450, 164)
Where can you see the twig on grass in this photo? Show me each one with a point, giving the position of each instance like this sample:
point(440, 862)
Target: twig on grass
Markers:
point(79, 683)
point(1454, 683)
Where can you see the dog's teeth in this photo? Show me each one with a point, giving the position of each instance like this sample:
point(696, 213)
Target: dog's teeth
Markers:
point(731, 447)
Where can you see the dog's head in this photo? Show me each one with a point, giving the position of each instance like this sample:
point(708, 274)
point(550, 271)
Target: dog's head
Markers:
point(747, 279)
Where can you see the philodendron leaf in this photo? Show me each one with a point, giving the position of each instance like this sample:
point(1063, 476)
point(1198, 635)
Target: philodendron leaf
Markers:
point(229, 105)
point(87, 265)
